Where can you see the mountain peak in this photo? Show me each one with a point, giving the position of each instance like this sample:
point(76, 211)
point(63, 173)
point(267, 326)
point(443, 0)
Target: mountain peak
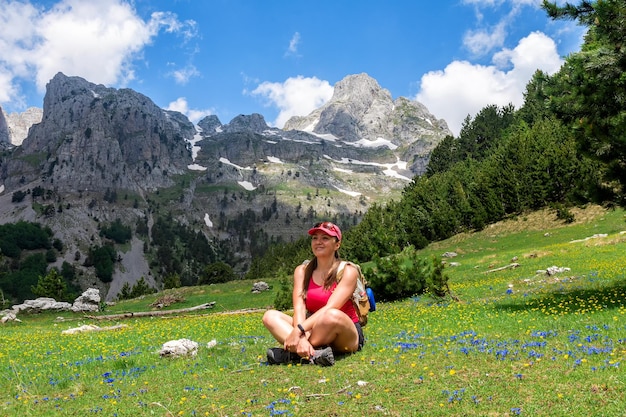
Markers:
point(361, 87)
point(94, 137)
point(360, 109)
point(254, 122)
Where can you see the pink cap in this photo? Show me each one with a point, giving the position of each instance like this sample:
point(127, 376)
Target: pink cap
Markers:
point(329, 228)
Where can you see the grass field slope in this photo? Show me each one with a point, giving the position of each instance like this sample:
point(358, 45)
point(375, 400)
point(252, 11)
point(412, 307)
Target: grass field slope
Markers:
point(539, 330)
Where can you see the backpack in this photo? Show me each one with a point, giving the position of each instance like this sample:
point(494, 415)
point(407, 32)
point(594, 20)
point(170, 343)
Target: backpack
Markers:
point(363, 297)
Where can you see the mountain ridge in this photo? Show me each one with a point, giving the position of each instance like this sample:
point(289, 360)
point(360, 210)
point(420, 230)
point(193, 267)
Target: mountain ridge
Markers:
point(102, 154)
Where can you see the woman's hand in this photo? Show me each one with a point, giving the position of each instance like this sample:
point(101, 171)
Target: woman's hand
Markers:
point(304, 348)
point(298, 343)
point(292, 340)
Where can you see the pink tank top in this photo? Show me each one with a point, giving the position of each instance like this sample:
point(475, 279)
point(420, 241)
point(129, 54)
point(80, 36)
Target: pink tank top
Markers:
point(317, 297)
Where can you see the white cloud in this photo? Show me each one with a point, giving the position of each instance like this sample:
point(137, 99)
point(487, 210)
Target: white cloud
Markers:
point(486, 37)
point(7, 88)
point(464, 88)
point(17, 37)
point(194, 115)
point(293, 44)
point(297, 96)
point(481, 41)
point(96, 40)
point(183, 75)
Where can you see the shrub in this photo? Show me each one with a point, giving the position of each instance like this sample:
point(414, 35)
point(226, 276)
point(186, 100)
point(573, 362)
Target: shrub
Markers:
point(140, 288)
point(437, 281)
point(398, 276)
point(215, 273)
point(563, 213)
point(52, 285)
point(117, 232)
point(283, 300)
point(18, 196)
point(172, 281)
point(103, 259)
point(404, 275)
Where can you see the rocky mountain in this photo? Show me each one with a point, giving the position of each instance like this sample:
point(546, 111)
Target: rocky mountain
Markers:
point(99, 155)
point(14, 126)
point(361, 113)
point(97, 138)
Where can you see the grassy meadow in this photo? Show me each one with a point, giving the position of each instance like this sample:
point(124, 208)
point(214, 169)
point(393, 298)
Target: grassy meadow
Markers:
point(519, 342)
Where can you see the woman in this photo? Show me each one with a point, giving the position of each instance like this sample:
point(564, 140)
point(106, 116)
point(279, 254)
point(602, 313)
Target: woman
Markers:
point(324, 320)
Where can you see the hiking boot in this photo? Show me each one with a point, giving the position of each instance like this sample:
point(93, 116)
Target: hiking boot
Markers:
point(324, 357)
point(278, 356)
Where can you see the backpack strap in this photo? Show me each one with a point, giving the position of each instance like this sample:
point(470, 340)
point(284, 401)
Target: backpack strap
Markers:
point(340, 269)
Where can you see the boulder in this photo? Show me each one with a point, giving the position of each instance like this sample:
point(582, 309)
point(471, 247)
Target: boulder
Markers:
point(556, 270)
point(259, 287)
point(180, 347)
point(81, 329)
point(8, 316)
point(41, 304)
point(87, 301)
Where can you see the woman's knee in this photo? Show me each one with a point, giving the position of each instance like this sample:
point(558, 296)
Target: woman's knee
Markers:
point(333, 316)
point(270, 317)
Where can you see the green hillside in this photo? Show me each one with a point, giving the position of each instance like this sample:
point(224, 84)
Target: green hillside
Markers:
point(519, 342)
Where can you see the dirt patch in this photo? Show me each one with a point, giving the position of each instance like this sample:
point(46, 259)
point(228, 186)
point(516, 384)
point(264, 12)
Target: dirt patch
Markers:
point(536, 254)
point(167, 300)
point(545, 219)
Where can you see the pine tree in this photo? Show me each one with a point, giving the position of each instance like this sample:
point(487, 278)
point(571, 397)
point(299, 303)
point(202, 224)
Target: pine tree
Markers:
point(589, 92)
point(51, 285)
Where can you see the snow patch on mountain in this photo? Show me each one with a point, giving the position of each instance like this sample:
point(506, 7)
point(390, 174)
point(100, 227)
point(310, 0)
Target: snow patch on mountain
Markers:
point(274, 160)
point(350, 193)
point(389, 168)
point(247, 185)
point(227, 162)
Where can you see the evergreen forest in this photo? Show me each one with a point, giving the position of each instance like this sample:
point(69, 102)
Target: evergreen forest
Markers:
point(565, 146)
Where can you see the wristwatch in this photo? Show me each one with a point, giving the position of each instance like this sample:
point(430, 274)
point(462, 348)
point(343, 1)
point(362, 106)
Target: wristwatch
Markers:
point(302, 330)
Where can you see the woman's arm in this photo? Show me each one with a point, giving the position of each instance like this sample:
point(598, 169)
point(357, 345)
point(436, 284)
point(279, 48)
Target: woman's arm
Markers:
point(342, 293)
point(294, 341)
point(299, 306)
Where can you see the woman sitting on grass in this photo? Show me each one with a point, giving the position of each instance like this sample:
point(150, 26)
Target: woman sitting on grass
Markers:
point(324, 320)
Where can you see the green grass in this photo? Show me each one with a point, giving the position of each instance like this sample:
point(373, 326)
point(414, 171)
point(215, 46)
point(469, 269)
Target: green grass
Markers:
point(518, 343)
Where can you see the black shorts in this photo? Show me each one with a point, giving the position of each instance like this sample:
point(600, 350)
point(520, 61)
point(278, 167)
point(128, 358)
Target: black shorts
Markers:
point(359, 330)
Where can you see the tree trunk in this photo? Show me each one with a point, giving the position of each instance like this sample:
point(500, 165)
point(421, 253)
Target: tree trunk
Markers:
point(152, 313)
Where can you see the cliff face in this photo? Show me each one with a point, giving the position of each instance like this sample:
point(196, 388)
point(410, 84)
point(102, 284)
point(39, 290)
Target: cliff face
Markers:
point(97, 138)
point(14, 126)
point(5, 137)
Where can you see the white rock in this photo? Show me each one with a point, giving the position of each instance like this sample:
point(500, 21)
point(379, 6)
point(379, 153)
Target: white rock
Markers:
point(81, 329)
point(87, 301)
point(180, 347)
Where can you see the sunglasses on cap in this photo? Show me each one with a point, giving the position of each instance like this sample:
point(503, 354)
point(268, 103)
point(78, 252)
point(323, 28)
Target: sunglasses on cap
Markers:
point(328, 228)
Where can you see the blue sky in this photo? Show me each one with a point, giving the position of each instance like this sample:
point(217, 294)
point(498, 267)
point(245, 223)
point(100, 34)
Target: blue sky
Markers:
point(281, 58)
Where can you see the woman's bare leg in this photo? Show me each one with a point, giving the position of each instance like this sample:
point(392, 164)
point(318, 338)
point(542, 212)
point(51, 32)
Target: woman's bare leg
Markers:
point(279, 324)
point(335, 329)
